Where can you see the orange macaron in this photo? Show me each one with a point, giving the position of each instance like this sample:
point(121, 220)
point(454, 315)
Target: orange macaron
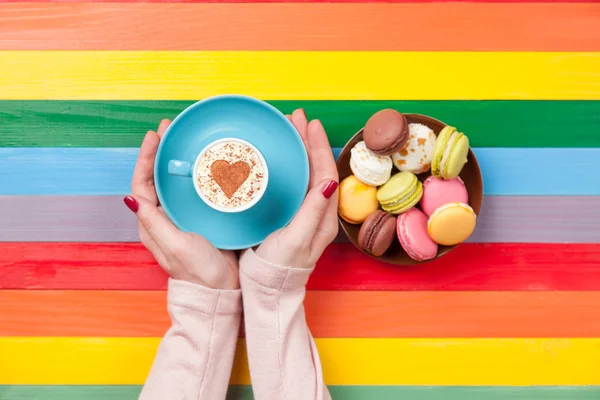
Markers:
point(356, 200)
point(451, 224)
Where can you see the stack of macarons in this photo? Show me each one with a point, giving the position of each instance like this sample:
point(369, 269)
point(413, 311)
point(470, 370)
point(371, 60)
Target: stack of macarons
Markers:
point(386, 197)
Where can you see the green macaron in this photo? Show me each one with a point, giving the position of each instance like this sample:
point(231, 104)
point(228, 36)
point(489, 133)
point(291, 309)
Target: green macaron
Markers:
point(449, 154)
point(399, 194)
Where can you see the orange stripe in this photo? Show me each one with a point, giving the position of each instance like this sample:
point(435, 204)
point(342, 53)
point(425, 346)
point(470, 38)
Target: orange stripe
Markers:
point(330, 314)
point(371, 26)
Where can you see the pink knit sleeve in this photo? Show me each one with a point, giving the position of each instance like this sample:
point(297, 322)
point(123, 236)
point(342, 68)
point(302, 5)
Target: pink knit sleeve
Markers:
point(195, 357)
point(284, 361)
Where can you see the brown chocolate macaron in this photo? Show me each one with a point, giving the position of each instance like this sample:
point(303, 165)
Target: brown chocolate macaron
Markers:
point(386, 132)
point(377, 233)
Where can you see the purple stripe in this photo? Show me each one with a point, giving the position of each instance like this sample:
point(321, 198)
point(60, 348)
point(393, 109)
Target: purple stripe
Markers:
point(529, 219)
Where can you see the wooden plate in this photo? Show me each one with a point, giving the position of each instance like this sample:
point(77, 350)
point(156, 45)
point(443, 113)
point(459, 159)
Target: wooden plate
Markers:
point(471, 175)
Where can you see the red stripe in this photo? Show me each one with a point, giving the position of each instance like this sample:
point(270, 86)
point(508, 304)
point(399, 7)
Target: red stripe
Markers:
point(298, 1)
point(471, 267)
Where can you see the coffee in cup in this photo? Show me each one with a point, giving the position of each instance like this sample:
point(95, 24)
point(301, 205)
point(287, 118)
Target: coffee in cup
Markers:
point(229, 175)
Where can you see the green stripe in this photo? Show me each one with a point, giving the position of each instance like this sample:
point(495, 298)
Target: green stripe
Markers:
point(123, 123)
point(337, 392)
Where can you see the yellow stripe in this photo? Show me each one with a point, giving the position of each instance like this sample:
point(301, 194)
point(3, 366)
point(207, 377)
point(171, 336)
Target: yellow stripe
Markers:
point(33, 360)
point(149, 75)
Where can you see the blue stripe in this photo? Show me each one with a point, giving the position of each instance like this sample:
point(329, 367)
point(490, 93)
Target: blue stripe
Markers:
point(107, 171)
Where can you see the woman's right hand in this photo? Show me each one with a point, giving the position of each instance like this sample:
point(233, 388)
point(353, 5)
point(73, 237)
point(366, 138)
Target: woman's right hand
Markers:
point(315, 226)
point(184, 256)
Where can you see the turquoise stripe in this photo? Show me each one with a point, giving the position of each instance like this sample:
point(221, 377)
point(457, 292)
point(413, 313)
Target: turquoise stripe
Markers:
point(107, 171)
point(126, 392)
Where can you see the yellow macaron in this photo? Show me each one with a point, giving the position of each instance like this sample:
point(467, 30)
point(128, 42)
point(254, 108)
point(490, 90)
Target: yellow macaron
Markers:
point(449, 154)
point(356, 200)
point(399, 194)
point(451, 224)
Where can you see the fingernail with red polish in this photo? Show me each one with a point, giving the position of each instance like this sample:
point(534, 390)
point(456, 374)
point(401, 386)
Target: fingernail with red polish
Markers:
point(131, 203)
point(329, 189)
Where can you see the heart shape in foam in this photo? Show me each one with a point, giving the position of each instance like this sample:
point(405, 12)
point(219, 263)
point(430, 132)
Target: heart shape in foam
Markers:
point(228, 176)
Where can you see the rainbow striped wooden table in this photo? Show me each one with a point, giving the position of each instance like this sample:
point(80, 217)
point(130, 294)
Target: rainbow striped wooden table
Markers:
point(513, 314)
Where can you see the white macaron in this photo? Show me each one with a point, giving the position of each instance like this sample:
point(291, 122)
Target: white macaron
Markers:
point(416, 155)
point(370, 168)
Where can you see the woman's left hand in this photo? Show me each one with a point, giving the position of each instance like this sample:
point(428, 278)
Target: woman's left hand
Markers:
point(315, 226)
point(183, 255)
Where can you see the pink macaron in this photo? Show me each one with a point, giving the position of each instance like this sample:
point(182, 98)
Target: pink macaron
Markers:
point(437, 192)
point(413, 236)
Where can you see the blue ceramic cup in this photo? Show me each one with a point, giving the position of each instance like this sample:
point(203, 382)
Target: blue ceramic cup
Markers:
point(231, 117)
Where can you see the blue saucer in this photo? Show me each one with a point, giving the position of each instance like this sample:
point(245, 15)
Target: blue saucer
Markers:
point(257, 122)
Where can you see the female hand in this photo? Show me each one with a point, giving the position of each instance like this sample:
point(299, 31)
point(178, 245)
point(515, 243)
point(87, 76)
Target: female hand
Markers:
point(184, 256)
point(315, 226)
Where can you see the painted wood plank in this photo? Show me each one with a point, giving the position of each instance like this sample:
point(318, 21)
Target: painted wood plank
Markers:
point(108, 171)
point(539, 171)
point(131, 392)
point(530, 219)
point(438, 362)
point(470, 267)
point(299, 75)
point(337, 27)
point(330, 314)
point(124, 123)
point(295, 1)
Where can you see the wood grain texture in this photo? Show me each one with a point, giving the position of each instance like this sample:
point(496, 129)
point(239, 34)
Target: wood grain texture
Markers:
point(131, 392)
point(529, 219)
point(295, 1)
point(330, 314)
point(108, 171)
point(298, 75)
point(470, 267)
point(337, 27)
point(124, 123)
point(438, 362)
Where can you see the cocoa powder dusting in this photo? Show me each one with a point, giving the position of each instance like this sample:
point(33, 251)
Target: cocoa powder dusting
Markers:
point(230, 177)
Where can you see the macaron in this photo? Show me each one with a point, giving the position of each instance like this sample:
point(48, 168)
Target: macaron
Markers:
point(368, 167)
point(437, 192)
point(411, 229)
point(386, 132)
point(450, 153)
point(377, 233)
point(356, 200)
point(451, 224)
point(416, 155)
point(400, 193)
